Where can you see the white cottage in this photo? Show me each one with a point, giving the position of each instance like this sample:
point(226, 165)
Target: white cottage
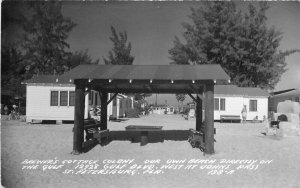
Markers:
point(50, 98)
point(230, 99)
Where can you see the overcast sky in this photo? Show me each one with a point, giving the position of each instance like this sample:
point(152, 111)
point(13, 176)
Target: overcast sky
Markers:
point(151, 27)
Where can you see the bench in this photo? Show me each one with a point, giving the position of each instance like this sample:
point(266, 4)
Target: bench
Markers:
point(92, 131)
point(99, 135)
point(230, 117)
point(197, 139)
point(144, 131)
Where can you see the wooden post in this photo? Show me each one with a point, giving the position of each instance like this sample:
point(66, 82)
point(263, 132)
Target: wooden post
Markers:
point(209, 118)
point(198, 113)
point(103, 97)
point(78, 130)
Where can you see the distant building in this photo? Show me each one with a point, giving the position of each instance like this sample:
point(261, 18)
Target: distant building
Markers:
point(50, 98)
point(280, 96)
point(230, 99)
point(163, 109)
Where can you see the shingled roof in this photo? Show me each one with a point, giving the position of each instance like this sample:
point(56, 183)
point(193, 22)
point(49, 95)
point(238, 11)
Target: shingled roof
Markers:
point(48, 79)
point(288, 93)
point(240, 91)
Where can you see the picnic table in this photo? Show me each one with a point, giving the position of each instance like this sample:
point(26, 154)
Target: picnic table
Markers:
point(144, 130)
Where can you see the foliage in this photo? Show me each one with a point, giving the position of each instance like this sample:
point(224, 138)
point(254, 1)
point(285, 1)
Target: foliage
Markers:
point(33, 41)
point(11, 22)
point(79, 58)
point(141, 96)
point(120, 54)
point(180, 98)
point(12, 72)
point(45, 37)
point(240, 42)
point(141, 106)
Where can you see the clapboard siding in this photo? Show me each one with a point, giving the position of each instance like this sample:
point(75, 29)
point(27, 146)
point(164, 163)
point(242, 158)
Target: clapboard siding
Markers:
point(38, 104)
point(234, 105)
point(262, 108)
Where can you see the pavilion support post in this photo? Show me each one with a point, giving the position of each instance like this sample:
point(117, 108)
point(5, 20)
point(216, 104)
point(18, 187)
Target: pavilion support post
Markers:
point(78, 130)
point(209, 118)
point(103, 97)
point(199, 114)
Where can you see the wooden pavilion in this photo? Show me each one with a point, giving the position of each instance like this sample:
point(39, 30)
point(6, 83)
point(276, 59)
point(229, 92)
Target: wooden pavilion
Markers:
point(188, 79)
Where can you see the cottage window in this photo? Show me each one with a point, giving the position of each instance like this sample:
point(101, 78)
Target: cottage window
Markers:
point(222, 104)
point(216, 101)
point(115, 102)
point(54, 98)
point(72, 98)
point(63, 98)
point(297, 99)
point(121, 103)
point(253, 106)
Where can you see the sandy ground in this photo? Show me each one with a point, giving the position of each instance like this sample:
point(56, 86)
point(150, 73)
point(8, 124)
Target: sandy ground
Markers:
point(21, 141)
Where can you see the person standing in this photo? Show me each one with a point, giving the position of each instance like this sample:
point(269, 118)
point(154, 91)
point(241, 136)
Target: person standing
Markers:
point(244, 113)
point(6, 110)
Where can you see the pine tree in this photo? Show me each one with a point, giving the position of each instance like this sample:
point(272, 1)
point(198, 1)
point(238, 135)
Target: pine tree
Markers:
point(45, 38)
point(241, 43)
point(78, 58)
point(120, 54)
point(13, 68)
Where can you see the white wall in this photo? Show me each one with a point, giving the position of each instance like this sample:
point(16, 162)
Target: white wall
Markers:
point(158, 111)
point(262, 108)
point(109, 106)
point(234, 105)
point(38, 104)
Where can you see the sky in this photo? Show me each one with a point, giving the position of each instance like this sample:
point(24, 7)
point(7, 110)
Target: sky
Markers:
point(152, 26)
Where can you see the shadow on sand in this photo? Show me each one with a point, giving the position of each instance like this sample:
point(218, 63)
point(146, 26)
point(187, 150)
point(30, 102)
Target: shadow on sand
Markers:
point(135, 137)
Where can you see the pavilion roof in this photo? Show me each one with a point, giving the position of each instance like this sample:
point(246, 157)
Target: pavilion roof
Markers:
point(140, 78)
point(148, 72)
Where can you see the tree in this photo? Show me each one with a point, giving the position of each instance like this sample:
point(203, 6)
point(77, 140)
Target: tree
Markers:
point(12, 72)
point(13, 69)
point(240, 42)
point(180, 98)
point(140, 96)
point(33, 41)
point(79, 58)
point(45, 38)
point(120, 54)
point(12, 21)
